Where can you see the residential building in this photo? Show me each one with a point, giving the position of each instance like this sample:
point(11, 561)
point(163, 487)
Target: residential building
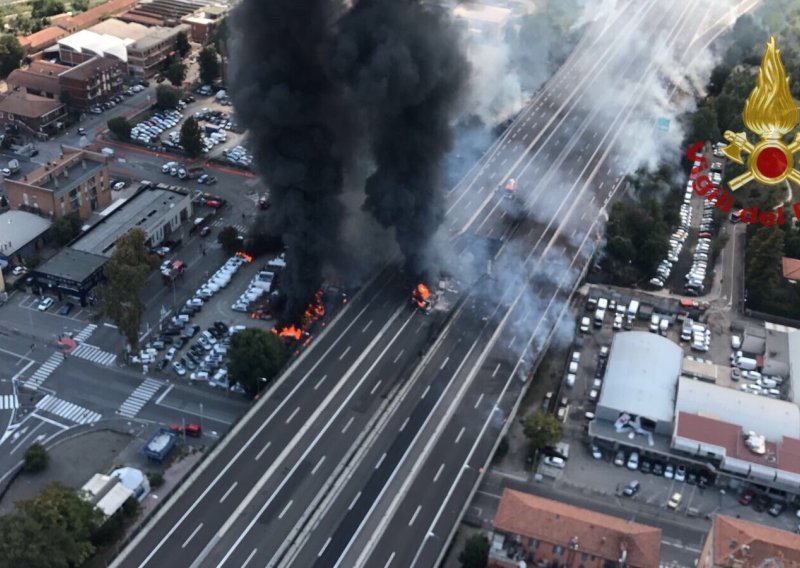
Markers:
point(76, 182)
point(92, 82)
point(542, 532)
point(39, 78)
point(205, 22)
point(735, 543)
point(37, 42)
point(146, 55)
point(37, 114)
point(95, 15)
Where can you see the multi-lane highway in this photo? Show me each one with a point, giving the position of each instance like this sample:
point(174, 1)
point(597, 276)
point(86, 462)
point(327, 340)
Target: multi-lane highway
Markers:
point(369, 446)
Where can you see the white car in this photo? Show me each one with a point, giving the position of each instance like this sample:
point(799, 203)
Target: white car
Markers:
point(18, 270)
point(555, 461)
point(179, 369)
point(170, 353)
point(617, 322)
point(570, 381)
point(633, 461)
point(45, 304)
point(736, 342)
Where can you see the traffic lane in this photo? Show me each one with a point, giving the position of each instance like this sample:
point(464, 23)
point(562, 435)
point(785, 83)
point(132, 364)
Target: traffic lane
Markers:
point(370, 302)
point(386, 373)
point(457, 351)
point(217, 409)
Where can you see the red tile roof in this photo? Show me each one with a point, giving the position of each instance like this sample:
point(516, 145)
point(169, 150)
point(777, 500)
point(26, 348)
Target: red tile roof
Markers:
point(557, 523)
point(39, 75)
point(96, 14)
point(42, 39)
point(751, 545)
point(791, 268)
point(26, 105)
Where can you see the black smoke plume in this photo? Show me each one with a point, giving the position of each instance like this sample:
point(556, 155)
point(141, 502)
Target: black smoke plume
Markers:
point(295, 114)
point(402, 63)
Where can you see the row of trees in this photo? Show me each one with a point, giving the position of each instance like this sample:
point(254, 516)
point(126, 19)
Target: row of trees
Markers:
point(767, 289)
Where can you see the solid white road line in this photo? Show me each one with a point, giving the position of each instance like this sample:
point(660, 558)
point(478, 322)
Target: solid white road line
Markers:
point(191, 536)
point(228, 492)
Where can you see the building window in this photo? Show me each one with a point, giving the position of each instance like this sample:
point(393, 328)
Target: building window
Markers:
point(533, 544)
point(584, 557)
point(25, 198)
point(558, 550)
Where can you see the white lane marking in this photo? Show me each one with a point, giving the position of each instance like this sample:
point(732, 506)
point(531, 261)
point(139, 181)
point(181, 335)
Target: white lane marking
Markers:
point(460, 433)
point(366, 327)
point(510, 343)
point(480, 398)
point(344, 353)
point(324, 546)
point(391, 557)
point(322, 380)
point(296, 410)
point(228, 492)
point(380, 461)
point(396, 359)
point(495, 370)
point(438, 473)
point(402, 426)
point(426, 391)
point(376, 386)
point(446, 359)
point(286, 508)
point(249, 558)
point(319, 463)
point(414, 516)
point(353, 502)
point(264, 449)
point(346, 426)
point(191, 536)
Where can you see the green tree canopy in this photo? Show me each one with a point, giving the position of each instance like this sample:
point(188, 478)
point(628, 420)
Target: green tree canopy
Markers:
point(167, 97)
point(191, 137)
point(542, 430)
point(45, 8)
point(36, 458)
point(176, 73)
point(209, 65)
point(476, 552)
point(11, 54)
point(255, 354)
point(66, 228)
point(704, 127)
point(120, 128)
point(79, 5)
point(182, 44)
point(126, 272)
point(228, 237)
point(717, 80)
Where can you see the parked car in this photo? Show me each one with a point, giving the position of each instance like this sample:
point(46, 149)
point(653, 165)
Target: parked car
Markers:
point(669, 471)
point(674, 501)
point(66, 309)
point(680, 473)
point(555, 461)
point(777, 508)
point(747, 497)
point(619, 459)
point(596, 452)
point(192, 430)
point(633, 461)
point(631, 489)
point(45, 304)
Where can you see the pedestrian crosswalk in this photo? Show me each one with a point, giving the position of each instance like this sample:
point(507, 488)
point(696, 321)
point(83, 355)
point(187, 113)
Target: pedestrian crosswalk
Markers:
point(9, 402)
point(84, 334)
point(44, 371)
point(94, 354)
point(138, 398)
point(68, 410)
point(222, 223)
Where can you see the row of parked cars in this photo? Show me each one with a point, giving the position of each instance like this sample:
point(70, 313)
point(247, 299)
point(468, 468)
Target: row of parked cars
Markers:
point(239, 156)
point(633, 461)
point(697, 333)
point(151, 129)
point(209, 353)
point(221, 278)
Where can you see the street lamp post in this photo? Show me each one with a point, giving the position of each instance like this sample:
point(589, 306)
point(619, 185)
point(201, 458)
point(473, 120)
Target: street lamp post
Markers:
point(201, 416)
point(261, 381)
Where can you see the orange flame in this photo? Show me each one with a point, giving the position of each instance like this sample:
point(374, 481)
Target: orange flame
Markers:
point(420, 296)
point(291, 331)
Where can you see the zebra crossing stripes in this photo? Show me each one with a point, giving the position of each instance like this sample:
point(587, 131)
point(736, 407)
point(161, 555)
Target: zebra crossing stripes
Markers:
point(138, 398)
point(221, 223)
point(9, 402)
point(94, 354)
point(84, 334)
point(44, 371)
point(67, 410)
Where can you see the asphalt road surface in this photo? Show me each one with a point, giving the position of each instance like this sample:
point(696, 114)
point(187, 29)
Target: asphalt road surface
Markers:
point(369, 446)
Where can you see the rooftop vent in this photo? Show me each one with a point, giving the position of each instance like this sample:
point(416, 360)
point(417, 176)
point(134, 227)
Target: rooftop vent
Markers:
point(755, 443)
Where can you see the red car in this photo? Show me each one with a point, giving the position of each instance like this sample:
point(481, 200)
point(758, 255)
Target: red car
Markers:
point(705, 235)
point(747, 497)
point(213, 204)
point(192, 430)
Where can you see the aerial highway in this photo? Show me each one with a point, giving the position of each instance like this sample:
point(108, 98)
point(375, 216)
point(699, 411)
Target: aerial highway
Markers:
point(368, 447)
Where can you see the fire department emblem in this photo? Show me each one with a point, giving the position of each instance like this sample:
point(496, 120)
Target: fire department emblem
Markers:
point(770, 113)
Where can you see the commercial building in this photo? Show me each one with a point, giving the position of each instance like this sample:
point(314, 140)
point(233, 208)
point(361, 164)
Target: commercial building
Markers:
point(162, 12)
point(21, 235)
point(541, 532)
point(639, 386)
point(204, 23)
point(95, 15)
point(35, 43)
point(70, 273)
point(158, 210)
point(146, 55)
point(75, 182)
point(86, 44)
point(38, 115)
point(741, 544)
point(93, 82)
point(106, 493)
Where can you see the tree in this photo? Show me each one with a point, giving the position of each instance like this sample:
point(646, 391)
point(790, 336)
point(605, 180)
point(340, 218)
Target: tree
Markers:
point(11, 54)
point(717, 80)
point(25, 542)
point(704, 127)
point(45, 8)
point(120, 128)
point(254, 355)
point(542, 430)
point(228, 237)
point(191, 137)
point(209, 65)
point(176, 73)
point(36, 458)
point(182, 44)
point(126, 272)
point(79, 5)
point(66, 228)
point(166, 97)
point(476, 552)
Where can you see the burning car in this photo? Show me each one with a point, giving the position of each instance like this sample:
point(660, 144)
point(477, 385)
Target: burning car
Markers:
point(422, 298)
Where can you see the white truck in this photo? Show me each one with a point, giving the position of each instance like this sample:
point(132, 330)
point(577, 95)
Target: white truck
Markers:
point(633, 310)
point(746, 363)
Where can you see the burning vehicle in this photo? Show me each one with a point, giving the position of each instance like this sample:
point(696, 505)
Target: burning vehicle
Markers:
point(510, 200)
point(422, 298)
point(314, 312)
point(509, 189)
